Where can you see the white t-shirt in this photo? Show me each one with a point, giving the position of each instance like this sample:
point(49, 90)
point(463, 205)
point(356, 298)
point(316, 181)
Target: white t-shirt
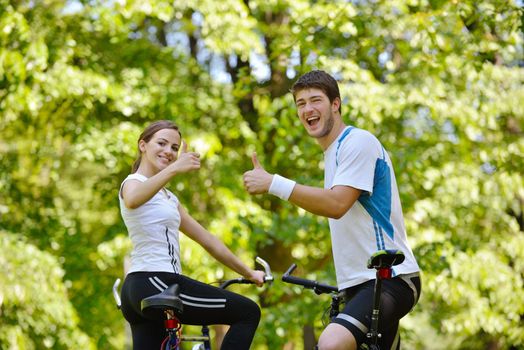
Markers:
point(153, 229)
point(375, 222)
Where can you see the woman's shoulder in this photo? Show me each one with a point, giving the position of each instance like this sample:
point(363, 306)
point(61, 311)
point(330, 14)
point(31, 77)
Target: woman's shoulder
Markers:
point(135, 176)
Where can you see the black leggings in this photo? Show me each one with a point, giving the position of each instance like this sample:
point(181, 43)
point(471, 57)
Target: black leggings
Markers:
point(399, 295)
point(203, 305)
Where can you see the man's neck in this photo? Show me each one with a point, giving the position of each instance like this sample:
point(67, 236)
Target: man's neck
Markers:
point(326, 141)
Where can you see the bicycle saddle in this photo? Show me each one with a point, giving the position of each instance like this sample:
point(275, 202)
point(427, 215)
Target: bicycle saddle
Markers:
point(155, 305)
point(385, 259)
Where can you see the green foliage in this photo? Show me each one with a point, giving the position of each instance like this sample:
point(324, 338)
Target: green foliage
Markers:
point(439, 82)
point(34, 304)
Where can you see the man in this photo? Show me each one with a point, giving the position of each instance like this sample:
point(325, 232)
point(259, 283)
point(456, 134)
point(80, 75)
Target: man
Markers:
point(360, 198)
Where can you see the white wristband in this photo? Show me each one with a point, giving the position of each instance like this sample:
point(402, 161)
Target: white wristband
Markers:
point(281, 187)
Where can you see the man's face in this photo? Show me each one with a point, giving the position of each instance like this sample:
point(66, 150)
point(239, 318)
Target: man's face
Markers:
point(316, 112)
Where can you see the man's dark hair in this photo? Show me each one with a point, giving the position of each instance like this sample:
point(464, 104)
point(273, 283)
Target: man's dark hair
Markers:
point(318, 79)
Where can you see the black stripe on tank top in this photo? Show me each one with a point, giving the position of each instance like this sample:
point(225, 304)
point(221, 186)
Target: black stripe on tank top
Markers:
point(171, 250)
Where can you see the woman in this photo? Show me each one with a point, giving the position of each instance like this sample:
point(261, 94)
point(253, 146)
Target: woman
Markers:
point(153, 216)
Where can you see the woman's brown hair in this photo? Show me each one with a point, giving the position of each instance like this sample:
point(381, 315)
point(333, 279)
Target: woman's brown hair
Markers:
point(148, 133)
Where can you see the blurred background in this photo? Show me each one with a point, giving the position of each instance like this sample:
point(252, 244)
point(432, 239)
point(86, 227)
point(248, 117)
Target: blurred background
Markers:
point(439, 82)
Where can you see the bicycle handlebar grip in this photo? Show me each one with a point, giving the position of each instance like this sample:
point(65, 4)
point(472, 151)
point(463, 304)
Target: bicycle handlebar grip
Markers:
point(115, 293)
point(318, 288)
point(300, 281)
point(286, 277)
point(241, 280)
point(269, 275)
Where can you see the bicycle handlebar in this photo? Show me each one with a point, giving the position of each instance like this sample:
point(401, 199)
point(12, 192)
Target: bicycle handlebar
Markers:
point(319, 288)
point(241, 280)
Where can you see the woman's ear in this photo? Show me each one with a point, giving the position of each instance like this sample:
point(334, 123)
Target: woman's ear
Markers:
point(142, 146)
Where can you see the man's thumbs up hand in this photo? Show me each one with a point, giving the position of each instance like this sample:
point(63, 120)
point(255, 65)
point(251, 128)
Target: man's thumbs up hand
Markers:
point(258, 180)
point(256, 163)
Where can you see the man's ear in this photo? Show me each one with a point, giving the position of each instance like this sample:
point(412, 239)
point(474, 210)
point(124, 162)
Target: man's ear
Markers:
point(142, 145)
point(336, 104)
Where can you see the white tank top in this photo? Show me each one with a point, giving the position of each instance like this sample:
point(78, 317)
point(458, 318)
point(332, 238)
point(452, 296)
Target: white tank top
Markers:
point(153, 229)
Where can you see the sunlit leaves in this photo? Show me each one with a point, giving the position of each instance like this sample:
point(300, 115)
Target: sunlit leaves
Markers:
point(35, 309)
point(439, 82)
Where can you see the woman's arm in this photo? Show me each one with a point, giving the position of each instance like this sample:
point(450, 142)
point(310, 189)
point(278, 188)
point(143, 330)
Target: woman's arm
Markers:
point(135, 193)
point(217, 248)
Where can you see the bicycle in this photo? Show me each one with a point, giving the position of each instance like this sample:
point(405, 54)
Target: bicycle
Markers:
point(382, 261)
point(169, 305)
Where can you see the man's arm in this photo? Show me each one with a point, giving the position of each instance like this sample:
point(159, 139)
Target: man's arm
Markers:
point(332, 203)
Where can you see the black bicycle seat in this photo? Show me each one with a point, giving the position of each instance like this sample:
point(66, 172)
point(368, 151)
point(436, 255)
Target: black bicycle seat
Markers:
point(155, 305)
point(385, 259)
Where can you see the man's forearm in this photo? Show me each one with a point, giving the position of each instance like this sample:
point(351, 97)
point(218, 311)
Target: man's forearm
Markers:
point(332, 203)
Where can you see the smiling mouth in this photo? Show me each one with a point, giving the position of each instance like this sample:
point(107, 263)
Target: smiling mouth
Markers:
point(312, 121)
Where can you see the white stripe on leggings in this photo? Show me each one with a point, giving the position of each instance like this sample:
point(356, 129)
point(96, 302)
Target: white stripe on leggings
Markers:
point(206, 300)
point(160, 282)
point(204, 306)
point(353, 321)
point(396, 340)
point(154, 283)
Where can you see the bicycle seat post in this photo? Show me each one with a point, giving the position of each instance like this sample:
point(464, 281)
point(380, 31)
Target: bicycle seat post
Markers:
point(168, 304)
point(373, 333)
point(382, 261)
point(170, 322)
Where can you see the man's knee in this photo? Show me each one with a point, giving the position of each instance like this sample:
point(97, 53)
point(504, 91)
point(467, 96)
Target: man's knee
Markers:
point(336, 337)
point(335, 344)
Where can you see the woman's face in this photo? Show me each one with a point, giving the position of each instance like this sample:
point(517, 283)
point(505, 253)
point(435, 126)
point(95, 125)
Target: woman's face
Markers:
point(161, 150)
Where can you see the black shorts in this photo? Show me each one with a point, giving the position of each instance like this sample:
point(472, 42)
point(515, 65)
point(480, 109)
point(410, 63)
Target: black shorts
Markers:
point(399, 295)
point(203, 305)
